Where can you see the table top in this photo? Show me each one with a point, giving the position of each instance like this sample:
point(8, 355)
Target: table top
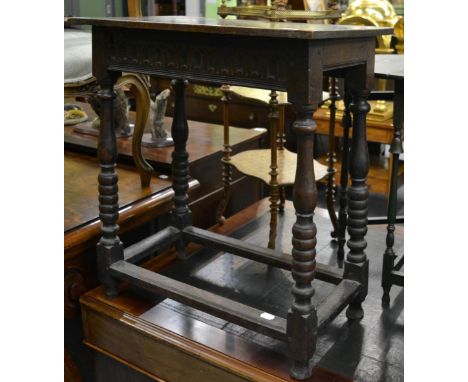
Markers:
point(390, 66)
point(82, 226)
point(81, 189)
point(233, 27)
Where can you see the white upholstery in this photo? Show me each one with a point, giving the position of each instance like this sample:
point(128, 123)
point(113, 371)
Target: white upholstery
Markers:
point(77, 56)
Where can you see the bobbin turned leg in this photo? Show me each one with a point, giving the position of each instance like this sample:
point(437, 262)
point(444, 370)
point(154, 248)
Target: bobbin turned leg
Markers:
point(226, 167)
point(396, 148)
point(280, 142)
point(342, 215)
point(274, 187)
point(109, 247)
point(181, 214)
point(357, 264)
point(302, 317)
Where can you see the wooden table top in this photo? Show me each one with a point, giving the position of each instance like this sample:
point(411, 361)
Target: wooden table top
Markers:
point(233, 27)
point(81, 189)
point(81, 220)
point(390, 66)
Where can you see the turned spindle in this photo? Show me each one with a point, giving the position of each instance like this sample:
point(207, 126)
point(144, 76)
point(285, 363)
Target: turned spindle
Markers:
point(302, 316)
point(225, 162)
point(357, 264)
point(181, 214)
point(274, 187)
point(109, 247)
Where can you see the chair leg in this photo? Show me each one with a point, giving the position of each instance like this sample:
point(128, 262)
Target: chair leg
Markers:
point(226, 167)
point(274, 186)
point(274, 209)
point(140, 91)
point(342, 217)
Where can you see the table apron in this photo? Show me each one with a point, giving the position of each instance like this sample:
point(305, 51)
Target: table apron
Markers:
point(250, 61)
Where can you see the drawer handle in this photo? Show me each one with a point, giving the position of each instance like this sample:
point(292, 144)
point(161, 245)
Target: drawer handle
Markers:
point(212, 107)
point(251, 116)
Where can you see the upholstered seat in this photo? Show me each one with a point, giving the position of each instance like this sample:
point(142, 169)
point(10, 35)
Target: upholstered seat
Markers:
point(77, 57)
point(79, 81)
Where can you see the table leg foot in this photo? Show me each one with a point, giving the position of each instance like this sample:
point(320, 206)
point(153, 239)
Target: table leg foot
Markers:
point(386, 297)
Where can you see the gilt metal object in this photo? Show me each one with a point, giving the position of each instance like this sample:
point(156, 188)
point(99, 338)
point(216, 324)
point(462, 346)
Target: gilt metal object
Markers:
point(278, 11)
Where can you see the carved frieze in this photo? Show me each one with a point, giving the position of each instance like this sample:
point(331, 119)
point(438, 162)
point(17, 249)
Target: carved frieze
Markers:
point(228, 59)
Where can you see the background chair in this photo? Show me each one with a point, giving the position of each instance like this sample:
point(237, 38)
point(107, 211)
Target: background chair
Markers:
point(79, 82)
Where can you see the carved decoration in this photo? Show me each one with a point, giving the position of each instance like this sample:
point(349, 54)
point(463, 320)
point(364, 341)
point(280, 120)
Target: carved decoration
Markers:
point(158, 136)
point(260, 65)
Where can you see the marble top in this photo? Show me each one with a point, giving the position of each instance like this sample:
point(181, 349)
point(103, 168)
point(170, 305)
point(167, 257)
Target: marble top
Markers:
point(389, 66)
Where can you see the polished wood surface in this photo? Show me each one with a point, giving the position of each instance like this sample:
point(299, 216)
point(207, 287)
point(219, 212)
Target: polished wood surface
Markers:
point(256, 163)
point(205, 139)
point(80, 196)
point(379, 177)
point(137, 205)
point(233, 27)
point(204, 146)
point(377, 131)
point(82, 226)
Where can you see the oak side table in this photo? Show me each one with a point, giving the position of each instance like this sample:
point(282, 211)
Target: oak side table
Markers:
point(276, 56)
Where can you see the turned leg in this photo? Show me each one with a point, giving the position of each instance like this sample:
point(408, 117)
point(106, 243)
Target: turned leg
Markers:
point(356, 264)
point(226, 167)
point(396, 149)
point(280, 140)
point(331, 158)
point(109, 247)
point(274, 187)
point(302, 316)
point(342, 216)
point(181, 214)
